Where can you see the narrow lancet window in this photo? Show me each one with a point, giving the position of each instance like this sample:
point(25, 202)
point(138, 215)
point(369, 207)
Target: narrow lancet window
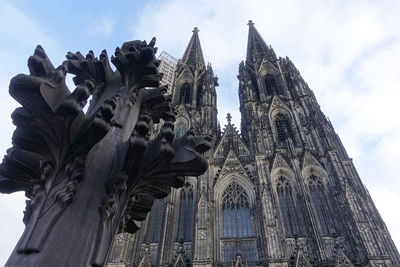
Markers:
point(156, 220)
point(185, 94)
point(270, 84)
point(282, 128)
point(186, 218)
point(287, 207)
point(321, 205)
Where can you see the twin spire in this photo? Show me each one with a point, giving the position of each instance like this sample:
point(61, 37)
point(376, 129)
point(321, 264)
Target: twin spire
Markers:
point(193, 56)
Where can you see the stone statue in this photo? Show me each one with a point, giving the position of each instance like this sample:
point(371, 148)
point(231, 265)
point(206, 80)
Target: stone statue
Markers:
point(89, 175)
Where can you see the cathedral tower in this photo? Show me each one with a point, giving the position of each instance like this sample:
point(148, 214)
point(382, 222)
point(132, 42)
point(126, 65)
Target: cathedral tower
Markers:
point(283, 192)
point(314, 206)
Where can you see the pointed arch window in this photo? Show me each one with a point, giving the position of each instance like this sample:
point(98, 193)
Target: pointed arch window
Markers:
point(283, 129)
point(184, 97)
point(236, 218)
point(287, 207)
point(321, 205)
point(156, 221)
point(186, 218)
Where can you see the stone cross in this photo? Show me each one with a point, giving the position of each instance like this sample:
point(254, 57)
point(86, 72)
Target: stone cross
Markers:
point(229, 118)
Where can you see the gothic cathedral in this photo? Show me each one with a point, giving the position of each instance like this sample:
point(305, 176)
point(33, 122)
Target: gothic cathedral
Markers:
point(282, 192)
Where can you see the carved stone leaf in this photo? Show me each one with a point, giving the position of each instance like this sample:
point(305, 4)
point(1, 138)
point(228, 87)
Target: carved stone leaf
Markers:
point(18, 170)
point(51, 125)
point(90, 68)
point(130, 59)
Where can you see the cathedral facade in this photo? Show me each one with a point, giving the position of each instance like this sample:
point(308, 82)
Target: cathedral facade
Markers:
point(282, 192)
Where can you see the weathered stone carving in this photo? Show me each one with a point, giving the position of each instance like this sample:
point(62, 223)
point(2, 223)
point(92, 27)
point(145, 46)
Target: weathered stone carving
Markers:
point(91, 174)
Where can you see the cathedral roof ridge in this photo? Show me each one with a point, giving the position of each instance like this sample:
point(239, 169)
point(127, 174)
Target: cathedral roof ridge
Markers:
point(230, 133)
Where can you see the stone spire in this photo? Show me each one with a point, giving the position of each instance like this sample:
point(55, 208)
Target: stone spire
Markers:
point(256, 46)
point(193, 56)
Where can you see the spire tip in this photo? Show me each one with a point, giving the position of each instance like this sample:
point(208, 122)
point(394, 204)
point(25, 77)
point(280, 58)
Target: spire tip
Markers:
point(229, 118)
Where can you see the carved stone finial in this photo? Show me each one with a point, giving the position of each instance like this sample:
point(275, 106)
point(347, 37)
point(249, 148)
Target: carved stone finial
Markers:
point(229, 118)
point(251, 23)
point(196, 30)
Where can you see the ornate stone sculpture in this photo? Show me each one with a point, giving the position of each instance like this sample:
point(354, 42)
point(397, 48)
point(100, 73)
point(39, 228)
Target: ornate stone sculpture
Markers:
point(91, 174)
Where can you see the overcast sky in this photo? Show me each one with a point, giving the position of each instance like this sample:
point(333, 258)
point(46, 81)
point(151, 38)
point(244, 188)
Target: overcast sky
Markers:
point(347, 51)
